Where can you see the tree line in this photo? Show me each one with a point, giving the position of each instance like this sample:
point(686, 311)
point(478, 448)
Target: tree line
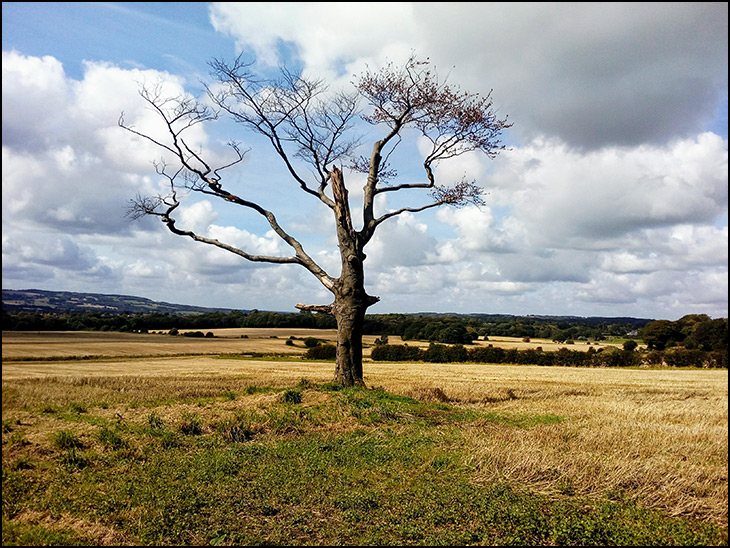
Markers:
point(449, 329)
point(691, 331)
point(603, 357)
point(694, 340)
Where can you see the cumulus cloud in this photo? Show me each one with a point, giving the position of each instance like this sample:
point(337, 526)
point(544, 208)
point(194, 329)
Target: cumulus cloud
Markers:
point(566, 198)
point(326, 37)
point(402, 241)
point(66, 163)
point(611, 197)
point(590, 74)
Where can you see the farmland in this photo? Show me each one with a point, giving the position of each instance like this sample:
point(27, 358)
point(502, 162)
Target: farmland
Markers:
point(24, 344)
point(264, 450)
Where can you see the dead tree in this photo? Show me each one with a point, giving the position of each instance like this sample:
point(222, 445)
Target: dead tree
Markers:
point(308, 126)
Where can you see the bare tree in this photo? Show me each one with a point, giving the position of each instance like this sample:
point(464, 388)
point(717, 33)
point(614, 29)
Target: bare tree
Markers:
point(308, 126)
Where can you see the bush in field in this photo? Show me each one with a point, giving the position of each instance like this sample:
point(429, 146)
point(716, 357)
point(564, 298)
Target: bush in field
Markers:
point(681, 357)
point(717, 359)
point(311, 342)
point(654, 358)
point(396, 353)
point(439, 353)
point(488, 354)
point(616, 358)
point(610, 357)
point(322, 352)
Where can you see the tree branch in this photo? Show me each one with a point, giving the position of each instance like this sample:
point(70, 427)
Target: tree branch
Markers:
point(326, 308)
point(454, 122)
point(290, 112)
point(178, 116)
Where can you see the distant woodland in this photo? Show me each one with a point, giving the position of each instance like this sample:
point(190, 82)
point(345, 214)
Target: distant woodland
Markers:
point(692, 341)
point(459, 329)
point(695, 340)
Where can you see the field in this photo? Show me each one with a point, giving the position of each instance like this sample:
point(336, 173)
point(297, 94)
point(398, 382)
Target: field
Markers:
point(114, 438)
point(18, 345)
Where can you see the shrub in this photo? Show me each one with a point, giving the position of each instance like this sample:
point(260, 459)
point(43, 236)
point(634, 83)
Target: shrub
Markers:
point(681, 357)
point(396, 353)
point(717, 359)
point(311, 342)
point(489, 354)
point(322, 352)
point(439, 353)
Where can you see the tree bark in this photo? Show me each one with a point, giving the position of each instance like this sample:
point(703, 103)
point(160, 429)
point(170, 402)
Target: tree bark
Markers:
point(350, 316)
point(351, 299)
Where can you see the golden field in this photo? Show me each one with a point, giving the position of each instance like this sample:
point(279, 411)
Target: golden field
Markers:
point(657, 436)
point(65, 344)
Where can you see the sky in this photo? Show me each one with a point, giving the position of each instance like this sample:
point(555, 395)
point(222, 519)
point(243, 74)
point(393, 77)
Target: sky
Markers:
point(611, 198)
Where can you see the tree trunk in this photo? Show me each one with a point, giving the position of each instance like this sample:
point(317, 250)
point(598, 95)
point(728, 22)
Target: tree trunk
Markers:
point(351, 299)
point(350, 316)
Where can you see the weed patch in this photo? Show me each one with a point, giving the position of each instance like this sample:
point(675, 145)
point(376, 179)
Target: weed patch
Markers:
point(111, 439)
point(191, 424)
point(65, 439)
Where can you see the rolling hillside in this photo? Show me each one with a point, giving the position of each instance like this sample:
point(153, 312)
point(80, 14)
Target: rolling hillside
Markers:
point(35, 300)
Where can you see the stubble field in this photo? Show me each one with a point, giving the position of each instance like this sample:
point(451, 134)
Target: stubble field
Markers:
point(651, 440)
point(26, 344)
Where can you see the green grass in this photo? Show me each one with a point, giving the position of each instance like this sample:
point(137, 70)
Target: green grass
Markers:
point(317, 465)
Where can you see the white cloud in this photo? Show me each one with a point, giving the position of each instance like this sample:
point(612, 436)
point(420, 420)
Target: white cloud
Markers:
point(35, 96)
point(567, 199)
point(591, 74)
point(401, 241)
point(328, 36)
point(611, 200)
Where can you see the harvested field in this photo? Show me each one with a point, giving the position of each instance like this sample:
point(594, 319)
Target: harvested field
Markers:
point(656, 437)
point(65, 344)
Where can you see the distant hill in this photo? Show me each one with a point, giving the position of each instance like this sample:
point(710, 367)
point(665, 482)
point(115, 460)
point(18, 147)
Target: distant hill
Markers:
point(61, 302)
point(57, 302)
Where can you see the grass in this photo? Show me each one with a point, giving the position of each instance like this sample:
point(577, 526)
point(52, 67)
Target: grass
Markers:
point(305, 464)
point(204, 450)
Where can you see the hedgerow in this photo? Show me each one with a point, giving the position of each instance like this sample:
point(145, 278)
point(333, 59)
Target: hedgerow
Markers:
point(439, 353)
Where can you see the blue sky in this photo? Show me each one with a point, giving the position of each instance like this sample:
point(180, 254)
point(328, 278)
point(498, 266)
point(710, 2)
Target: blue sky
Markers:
point(611, 200)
